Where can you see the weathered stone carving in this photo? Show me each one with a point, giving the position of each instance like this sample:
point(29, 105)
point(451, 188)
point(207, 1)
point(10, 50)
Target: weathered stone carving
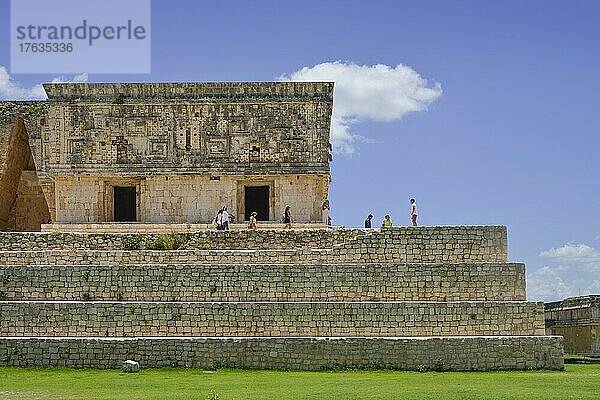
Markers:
point(165, 141)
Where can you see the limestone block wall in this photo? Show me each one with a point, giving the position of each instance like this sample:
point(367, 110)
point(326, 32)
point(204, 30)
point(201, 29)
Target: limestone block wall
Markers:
point(188, 198)
point(399, 244)
point(34, 114)
point(394, 298)
point(30, 209)
point(243, 239)
point(282, 282)
point(579, 339)
point(79, 199)
point(23, 205)
point(429, 244)
point(456, 354)
point(577, 319)
point(381, 319)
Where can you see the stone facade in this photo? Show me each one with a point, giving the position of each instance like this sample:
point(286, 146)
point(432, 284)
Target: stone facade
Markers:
point(172, 152)
point(187, 149)
point(396, 298)
point(577, 319)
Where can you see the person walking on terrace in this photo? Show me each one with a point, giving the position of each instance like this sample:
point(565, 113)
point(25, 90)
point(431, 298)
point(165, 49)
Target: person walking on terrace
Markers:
point(218, 221)
point(387, 221)
point(413, 212)
point(325, 213)
point(225, 219)
point(252, 223)
point(287, 217)
point(368, 221)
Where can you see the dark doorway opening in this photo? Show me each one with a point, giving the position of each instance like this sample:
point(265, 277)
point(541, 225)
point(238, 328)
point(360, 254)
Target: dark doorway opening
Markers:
point(124, 203)
point(257, 199)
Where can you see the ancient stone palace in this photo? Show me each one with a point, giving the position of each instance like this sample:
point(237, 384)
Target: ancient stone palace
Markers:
point(124, 173)
point(175, 152)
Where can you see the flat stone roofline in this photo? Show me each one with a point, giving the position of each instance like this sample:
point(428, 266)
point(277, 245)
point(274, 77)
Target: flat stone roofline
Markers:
point(190, 91)
point(592, 300)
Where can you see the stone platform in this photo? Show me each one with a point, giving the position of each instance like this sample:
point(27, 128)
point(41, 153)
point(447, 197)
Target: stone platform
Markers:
point(142, 227)
point(308, 299)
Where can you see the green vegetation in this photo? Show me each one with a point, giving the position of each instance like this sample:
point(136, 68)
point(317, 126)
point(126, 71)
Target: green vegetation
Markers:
point(576, 382)
point(85, 275)
point(120, 99)
point(168, 241)
point(133, 242)
point(165, 241)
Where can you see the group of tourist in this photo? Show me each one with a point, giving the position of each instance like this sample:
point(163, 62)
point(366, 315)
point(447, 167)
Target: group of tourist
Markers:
point(223, 218)
point(387, 220)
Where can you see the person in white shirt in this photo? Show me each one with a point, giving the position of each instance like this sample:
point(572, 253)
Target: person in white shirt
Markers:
point(325, 213)
point(413, 212)
point(252, 223)
point(225, 219)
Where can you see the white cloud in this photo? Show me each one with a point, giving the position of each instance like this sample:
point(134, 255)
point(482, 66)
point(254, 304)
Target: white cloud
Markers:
point(11, 90)
point(574, 271)
point(574, 253)
point(368, 92)
point(76, 79)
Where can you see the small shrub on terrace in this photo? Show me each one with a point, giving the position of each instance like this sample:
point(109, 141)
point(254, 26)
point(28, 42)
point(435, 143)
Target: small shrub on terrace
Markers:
point(133, 242)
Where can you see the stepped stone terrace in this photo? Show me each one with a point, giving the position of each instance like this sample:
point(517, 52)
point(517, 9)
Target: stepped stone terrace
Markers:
point(402, 298)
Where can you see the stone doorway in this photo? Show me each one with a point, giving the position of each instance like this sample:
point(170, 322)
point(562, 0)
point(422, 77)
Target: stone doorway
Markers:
point(124, 203)
point(256, 198)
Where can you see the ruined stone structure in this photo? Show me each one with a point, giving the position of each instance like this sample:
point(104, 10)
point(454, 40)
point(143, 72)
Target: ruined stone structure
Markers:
point(577, 319)
point(23, 206)
point(100, 159)
point(406, 298)
point(176, 152)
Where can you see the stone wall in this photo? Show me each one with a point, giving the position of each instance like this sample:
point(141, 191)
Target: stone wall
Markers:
point(188, 198)
point(187, 148)
point(455, 354)
point(242, 239)
point(577, 319)
point(32, 112)
point(579, 339)
point(398, 244)
point(256, 282)
point(396, 298)
point(30, 209)
point(302, 319)
point(22, 202)
point(152, 129)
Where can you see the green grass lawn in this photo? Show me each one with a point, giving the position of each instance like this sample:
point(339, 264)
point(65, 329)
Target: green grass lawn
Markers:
point(576, 382)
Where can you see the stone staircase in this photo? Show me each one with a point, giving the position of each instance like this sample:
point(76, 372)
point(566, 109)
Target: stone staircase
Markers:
point(402, 298)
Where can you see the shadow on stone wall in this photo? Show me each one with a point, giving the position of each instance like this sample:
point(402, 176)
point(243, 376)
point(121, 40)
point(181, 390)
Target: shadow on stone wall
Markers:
point(23, 206)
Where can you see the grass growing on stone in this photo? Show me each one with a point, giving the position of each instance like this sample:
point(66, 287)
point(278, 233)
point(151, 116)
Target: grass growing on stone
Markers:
point(576, 382)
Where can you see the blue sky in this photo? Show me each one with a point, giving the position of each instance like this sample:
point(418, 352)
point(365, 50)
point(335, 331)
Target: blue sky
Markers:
point(512, 137)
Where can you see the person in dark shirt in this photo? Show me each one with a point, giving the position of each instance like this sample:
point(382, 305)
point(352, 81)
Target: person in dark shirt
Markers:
point(368, 221)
